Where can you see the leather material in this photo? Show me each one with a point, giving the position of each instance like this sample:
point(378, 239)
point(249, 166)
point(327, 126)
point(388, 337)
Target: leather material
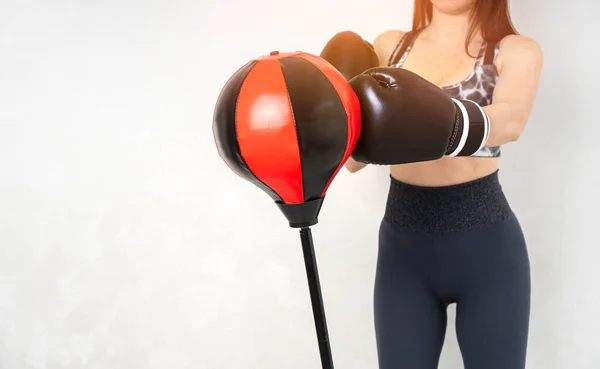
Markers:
point(287, 122)
point(405, 118)
point(349, 54)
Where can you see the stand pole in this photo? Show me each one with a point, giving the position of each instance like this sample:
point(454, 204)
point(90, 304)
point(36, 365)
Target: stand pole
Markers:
point(315, 297)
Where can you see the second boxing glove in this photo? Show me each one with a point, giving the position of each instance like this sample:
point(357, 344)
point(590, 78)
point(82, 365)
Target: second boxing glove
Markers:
point(349, 54)
point(406, 119)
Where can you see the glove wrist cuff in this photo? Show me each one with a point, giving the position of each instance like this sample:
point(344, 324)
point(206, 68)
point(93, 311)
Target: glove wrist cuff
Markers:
point(471, 129)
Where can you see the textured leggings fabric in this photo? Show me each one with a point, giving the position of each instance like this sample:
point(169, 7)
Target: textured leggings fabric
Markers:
point(470, 250)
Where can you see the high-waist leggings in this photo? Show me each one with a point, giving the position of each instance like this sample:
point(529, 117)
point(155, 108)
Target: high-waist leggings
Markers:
point(454, 244)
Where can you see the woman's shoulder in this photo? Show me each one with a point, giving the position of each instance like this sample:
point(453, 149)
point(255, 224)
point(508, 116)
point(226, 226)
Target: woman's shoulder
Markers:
point(518, 47)
point(385, 43)
point(519, 43)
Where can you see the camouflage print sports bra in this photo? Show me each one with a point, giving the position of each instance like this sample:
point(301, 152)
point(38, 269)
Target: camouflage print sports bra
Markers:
point(478, 86)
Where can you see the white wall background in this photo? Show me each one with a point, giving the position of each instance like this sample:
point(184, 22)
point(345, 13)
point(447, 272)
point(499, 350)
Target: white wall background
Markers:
point(125, 242)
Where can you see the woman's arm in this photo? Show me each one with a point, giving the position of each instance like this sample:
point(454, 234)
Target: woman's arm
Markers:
point(519, 64)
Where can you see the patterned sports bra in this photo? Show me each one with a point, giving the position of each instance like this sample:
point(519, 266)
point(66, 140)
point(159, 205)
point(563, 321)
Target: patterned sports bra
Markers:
point(478, 86)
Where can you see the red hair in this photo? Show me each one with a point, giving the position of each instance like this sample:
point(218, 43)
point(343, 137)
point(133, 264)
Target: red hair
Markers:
point(491, 17)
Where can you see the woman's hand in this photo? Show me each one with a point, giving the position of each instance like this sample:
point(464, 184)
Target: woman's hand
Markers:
point(354, 166)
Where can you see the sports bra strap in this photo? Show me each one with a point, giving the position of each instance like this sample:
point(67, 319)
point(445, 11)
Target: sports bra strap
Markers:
point(399, 52)
point(490, 54)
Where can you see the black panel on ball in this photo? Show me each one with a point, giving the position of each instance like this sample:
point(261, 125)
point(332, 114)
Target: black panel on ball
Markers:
point(321, 123)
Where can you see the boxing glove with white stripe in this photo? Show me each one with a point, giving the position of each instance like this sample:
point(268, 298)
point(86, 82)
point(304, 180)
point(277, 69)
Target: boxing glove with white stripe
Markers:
point(407, 119)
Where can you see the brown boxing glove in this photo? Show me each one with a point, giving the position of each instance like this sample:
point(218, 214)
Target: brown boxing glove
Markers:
point(350, 54)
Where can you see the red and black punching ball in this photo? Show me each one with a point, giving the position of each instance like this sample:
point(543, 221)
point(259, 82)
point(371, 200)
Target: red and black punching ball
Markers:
point(288, 122)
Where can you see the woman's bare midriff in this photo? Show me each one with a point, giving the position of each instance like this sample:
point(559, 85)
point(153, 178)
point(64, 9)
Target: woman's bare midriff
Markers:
point(445, 171)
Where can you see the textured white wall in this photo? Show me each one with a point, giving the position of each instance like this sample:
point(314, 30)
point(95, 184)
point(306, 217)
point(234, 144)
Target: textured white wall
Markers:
point(125, 242)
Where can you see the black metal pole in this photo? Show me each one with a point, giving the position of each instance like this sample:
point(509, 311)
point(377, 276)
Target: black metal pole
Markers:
point(316, 298)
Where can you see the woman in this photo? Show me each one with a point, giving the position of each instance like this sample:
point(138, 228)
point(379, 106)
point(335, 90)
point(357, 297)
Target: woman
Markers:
point(448, 234)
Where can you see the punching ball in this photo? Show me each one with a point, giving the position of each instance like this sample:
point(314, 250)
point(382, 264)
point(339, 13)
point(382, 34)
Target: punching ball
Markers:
point(287, 122)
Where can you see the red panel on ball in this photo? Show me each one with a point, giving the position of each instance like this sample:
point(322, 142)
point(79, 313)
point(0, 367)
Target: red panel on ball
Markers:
point(266, 131)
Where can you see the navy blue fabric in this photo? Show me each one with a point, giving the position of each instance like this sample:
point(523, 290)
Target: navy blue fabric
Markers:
point(423, 267)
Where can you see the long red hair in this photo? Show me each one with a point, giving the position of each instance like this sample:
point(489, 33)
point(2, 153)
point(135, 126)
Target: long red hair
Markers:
point(491, 17)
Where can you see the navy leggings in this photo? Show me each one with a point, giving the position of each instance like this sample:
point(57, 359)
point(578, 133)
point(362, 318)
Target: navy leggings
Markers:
point(454, 244)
